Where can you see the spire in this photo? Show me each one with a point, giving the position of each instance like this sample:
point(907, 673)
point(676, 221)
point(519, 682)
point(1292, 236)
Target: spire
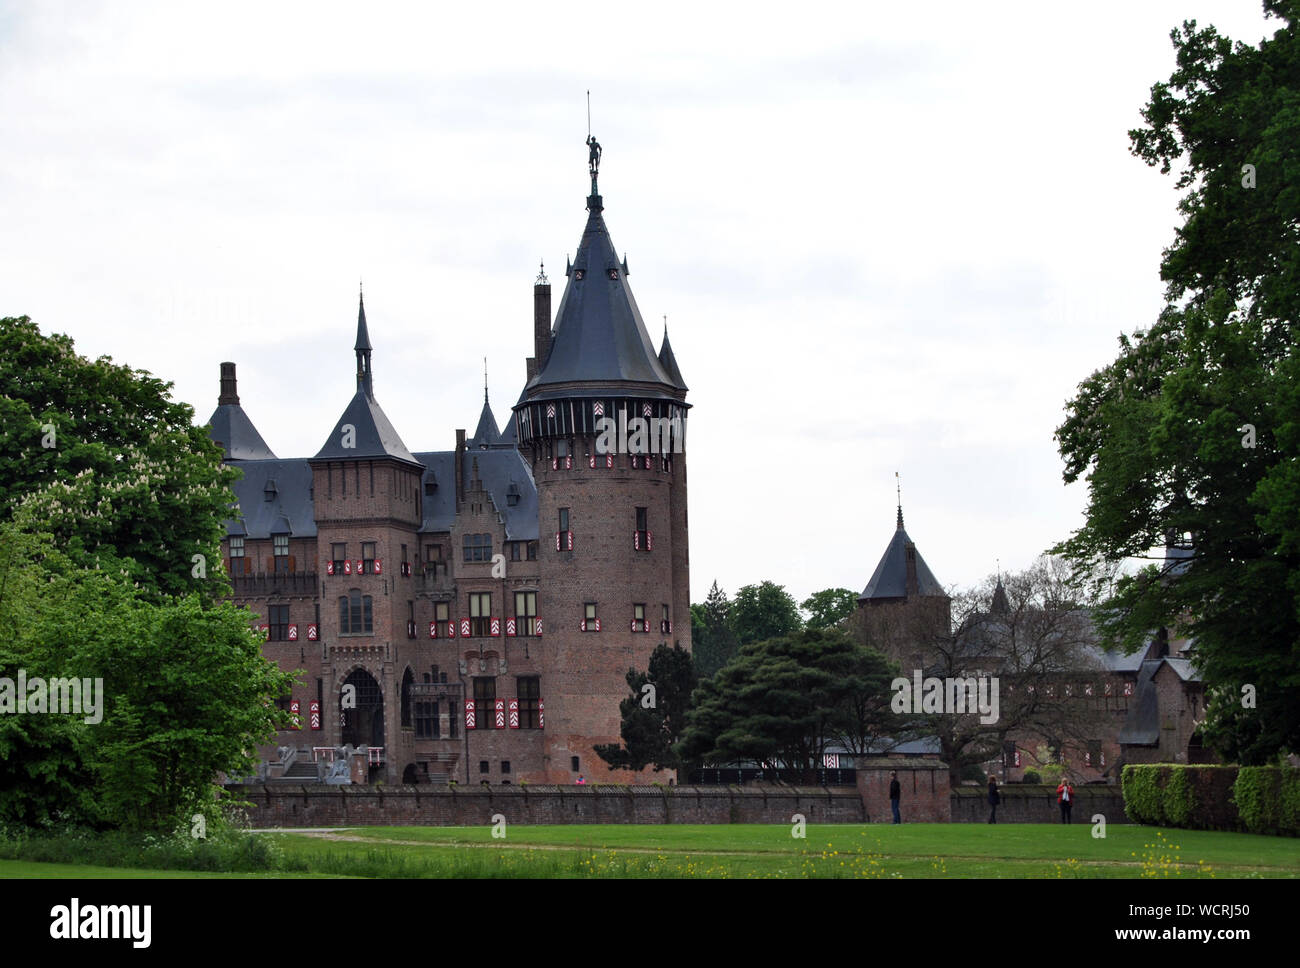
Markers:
point(599, 335)
point(668, 361)
point(902, 573)
point(1000, 604)
point(365, 380)
point(898, 486)
point(486, 432)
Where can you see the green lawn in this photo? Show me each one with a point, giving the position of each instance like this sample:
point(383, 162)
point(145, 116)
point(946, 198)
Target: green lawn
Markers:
point(736, 850)
point(848, 850)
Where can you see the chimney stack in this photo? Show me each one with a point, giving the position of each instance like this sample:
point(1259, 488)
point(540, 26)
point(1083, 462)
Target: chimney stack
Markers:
point(460, 467)
point(229, 388)
point(541, 321)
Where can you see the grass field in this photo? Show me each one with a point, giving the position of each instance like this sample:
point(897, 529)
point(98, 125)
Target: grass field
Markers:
point(848, 850)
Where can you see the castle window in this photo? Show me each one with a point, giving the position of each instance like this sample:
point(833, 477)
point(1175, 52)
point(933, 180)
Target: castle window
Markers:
point(639, 624)
point(574, 763)
point(564, 519)
point(514, 550)
point(505, 766)
point(367, 557)
point(529, 693)
point(526, 612)
point(480, 611)
point(665, 626)
point(280, 550)
point(426, 720)
point(532, 551)
point(590, 623)
point(478, 547)
point(339, 554)
point(485, 699)
point(642, 539)
point(355, 613)
point(441, 615)
point(483, 766)
point(237, 561)
point(278, 619)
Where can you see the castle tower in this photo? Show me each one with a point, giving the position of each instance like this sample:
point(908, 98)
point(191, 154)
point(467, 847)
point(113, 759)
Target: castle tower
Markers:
point(367, 494)
point(602, 423)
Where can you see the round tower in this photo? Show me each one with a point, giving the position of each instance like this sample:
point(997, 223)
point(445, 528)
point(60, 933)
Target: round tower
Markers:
point(602, 423)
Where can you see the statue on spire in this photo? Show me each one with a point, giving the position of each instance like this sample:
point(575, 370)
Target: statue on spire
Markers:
point(593, 160)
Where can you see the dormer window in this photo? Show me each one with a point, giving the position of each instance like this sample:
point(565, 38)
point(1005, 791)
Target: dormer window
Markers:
point(269, 492)
point(613, 273)
point(430, 487)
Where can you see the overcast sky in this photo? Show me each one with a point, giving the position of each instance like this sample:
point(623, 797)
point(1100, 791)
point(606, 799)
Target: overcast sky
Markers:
point(886, 237)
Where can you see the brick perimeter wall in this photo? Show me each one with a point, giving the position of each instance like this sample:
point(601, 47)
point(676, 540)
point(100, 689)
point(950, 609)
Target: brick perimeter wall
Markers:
point(321, 806)
point(1031, 803)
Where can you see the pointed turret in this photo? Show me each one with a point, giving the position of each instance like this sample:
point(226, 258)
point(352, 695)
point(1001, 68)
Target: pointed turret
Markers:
point(669, 362)
point(230, 427)
point(599, 336)
point(1000, 605)
point(364, 430)
point(365, 380)
point(486, 433)
point(902, 573)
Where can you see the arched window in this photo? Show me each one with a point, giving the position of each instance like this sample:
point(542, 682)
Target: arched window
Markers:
point(407, 679)
point(356, 613)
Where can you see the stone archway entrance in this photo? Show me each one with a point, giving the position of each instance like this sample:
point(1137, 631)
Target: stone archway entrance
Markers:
point(364, 725)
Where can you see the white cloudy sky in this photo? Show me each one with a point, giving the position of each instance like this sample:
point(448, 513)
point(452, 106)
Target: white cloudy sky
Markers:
point(887, 236)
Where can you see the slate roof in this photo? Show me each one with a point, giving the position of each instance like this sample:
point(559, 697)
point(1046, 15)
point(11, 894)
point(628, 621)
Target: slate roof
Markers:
point(1142, 725)
point(289, 511)
point(486, 432)
point(669, 362)
point(599, 335)
point(890, 577)
point(230, 427)
point(499, 468)
point(374, 435)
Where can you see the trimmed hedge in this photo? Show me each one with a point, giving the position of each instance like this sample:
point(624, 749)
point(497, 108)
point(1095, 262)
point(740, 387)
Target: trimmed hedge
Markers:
point(1259, 799)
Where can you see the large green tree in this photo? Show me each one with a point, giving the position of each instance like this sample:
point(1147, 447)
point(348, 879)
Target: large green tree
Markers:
point(1194, 429)
point(713, 642)
point(784, 699)
point(98, 455)
point(654, 715)
point(186, 693)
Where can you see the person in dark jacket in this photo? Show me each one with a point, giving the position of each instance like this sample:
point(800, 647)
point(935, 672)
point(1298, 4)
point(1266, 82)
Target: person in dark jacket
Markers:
point(895, 791)
point(994, 798)
point(1065, 797)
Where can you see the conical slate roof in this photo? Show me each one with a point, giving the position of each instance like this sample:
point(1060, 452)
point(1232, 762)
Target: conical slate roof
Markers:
point(372, 434)
point(486, 432)
point(230, 427)
point(669, 362)
point(890, 577)
point(363, 333)
point(599, 335)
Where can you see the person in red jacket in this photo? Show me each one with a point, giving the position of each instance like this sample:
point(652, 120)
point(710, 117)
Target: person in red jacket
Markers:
point(1065, 797)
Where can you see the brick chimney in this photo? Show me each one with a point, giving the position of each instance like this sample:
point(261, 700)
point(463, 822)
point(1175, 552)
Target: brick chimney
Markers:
point(229, 388)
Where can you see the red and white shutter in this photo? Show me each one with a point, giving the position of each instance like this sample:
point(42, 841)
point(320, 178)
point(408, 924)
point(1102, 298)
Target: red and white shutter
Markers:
point(451, 629)
point(1017, 755)
point(494, 627)
point(537, 626)
point(266, 632)
point(469, 714)
point(636, 540)
point(1128, 688)
point(361, 566)
point(464, 628)
point(294, 708)
point(514, 713)
point(293, 633)
point(313, 632)
point(1087, 759)
point(609, 461)
point(500, 714)
point(511, 627)
point(541, 714)
point(379, 566)
point(347, 566)
point(649, 541)
point(1103, 757)
point(313, 714)
point(831, 761)
point(329, 567)
point(557, 540)
point(433, 630)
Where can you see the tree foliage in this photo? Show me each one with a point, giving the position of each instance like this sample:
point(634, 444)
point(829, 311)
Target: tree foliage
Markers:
point(827, 607)
point(186, 693)
point(98, 455)
point(1194, 429)
point(654, 718)
point(763, 611)
point(713, 642)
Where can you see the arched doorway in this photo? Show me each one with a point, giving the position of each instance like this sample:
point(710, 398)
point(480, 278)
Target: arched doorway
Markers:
point(364, 725)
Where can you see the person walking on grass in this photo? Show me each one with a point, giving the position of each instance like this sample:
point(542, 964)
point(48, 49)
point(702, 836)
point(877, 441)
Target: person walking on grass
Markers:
point(895, 791)
point(994, 798)
point(1065, 797)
